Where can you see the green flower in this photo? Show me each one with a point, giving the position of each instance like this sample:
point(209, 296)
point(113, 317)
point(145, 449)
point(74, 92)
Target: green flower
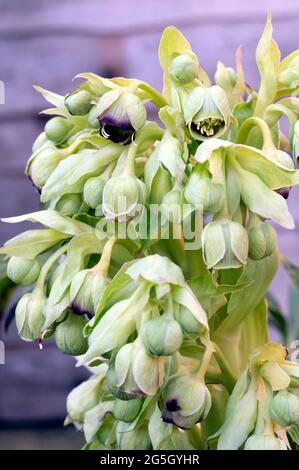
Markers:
point(120, 115)
point(206, 112)
point(135, 439)
point(225, 244)
point(29, 315)
point(262, 241)
point(86, 291)
point(162, 336)
point(185, 401)
point(285, 408)
point(202, 192)
point(69, 204)
point(123, 197)
point(23, 270)
point(93, 191)
point(69, 335)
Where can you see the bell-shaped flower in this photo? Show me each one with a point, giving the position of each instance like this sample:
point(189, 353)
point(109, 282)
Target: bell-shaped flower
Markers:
point(262, 240)
point(86, 291)
point(202, 193)
point(285, 408)
point(138, 373)
point(162, 336)
point(224, 244)
point(185, 400)
point(206, 112)
point(127, 410)
point(30, 315)
point(120, 114)
point(133, 439)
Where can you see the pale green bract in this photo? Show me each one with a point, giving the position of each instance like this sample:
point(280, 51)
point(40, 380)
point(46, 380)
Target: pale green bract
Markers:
point(158, 249)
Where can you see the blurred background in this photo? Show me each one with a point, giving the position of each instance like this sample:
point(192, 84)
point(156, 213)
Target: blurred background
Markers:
point(47, 43)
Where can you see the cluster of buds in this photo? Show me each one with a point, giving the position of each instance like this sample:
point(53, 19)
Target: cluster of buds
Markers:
point(111, 276)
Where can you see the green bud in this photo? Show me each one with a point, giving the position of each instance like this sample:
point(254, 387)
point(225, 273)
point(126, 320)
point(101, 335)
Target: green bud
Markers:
point(23, 270)
point(69, 335)
point(123, 197)
point(188, 321)
point(225, 244)
point(226, 77)
point(264, 442)
point(120, 114)
point(29, 315)
point(43, 165)
point(127, 411)
point(206, 112)
point(83, 398)
point(138, 374)
point(86, 291)
point(202, 192)
point(184, 68)
point(184, 401)
point(69, 204)
point(262, 241)
point(40, 141)
point(57, 129)
point(78, 103)
point(285, 408)
point(93, 191)
point(136, 439)
point(162, 336)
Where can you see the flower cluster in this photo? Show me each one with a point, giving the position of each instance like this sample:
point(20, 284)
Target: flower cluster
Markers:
point(175, 337)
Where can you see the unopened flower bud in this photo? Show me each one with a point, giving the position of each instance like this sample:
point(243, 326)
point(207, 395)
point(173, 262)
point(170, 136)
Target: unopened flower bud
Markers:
point(69, 204)
point(225, 244)
point(78, 103)
point(123, 197)
point(162, 336)
point(127, 410)
point(40, 141)
point(136, 439)
point(69, 335)
point(188, 321)
point(23, 270)
point(185, 401)
point(43, 165)
point(262, 241)
point(184, 68)
point(137, 373)
point(202, 192)
point(86, 291)
point(57, 129)
point(285, 408)
point(83, 398)
point(93, 191)
point(226, 77)
point(264, 442)
point(206, 112)
point(29, 315)
point(120, 114)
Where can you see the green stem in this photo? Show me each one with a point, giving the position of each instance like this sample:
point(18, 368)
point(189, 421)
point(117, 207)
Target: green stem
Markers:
point(195, 437)
point(48, 264)
point(264, 128)
point(156, 97)
point(228, 378)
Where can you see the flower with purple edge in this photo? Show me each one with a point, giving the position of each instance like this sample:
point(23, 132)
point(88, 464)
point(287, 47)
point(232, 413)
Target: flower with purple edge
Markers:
point(120, 115)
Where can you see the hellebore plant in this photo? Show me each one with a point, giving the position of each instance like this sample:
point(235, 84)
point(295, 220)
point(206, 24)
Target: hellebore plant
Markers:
point(157, 252)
